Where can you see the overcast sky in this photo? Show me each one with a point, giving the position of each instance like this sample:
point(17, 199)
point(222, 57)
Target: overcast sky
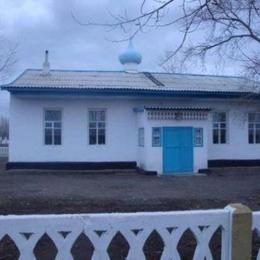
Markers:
point(37, 25)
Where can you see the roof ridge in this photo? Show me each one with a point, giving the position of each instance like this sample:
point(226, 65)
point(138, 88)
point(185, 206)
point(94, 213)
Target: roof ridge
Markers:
point(151, 72)
point(75, 70)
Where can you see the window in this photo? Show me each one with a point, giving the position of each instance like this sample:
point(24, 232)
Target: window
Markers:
point(156, 136)
point(198, 137)
point(141, 136)
point(219, 128)
point(254, 128)
point(97, 127)
point(52, 127)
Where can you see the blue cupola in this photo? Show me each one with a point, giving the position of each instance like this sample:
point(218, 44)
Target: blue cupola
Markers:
point(130, 58)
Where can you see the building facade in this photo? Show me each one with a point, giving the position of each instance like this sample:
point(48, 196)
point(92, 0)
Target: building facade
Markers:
point(164, 123)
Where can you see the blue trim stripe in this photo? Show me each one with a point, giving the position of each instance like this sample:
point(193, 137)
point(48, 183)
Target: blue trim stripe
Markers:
point(126, 92)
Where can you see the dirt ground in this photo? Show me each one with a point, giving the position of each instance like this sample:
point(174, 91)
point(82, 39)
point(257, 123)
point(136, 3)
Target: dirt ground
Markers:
point(24, 192)
point(29, 192)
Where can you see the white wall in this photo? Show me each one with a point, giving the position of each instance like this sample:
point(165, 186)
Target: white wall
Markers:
point(237, 146)
point(26, 135)
point(26, 131)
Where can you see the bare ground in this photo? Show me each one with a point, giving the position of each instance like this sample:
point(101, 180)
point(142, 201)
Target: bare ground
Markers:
point(24, 192)
point(29, 192)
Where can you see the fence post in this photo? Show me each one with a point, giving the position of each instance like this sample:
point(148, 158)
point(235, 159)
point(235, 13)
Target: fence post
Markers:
point(241, 232)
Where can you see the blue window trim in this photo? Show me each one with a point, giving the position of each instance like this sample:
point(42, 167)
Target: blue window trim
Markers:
point(160, 136)
point(194, 137)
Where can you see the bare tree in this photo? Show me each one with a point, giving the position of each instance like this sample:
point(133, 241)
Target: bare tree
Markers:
point(7, 57)
point(227, 29)
point(7, 60)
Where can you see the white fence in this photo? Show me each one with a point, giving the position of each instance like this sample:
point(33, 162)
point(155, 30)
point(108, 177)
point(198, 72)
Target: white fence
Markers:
point(136, 228)
point(256, 227)
point(102, 228)
point(3, 151)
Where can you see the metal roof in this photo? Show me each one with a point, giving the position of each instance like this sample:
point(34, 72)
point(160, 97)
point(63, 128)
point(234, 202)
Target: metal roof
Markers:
point(120, 80)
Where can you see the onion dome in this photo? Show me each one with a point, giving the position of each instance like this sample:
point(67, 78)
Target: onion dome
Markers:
point(130, 55)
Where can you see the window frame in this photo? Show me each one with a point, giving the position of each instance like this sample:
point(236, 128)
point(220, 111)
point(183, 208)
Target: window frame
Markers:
point(94, 109)
point(219, 128)
point(254, 128)
point(61, 127)
point(141, 137)
point(154, 144)
point(200, 144)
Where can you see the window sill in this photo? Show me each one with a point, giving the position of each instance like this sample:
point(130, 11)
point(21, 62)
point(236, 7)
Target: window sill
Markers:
point(97, 144)
point(222, 144)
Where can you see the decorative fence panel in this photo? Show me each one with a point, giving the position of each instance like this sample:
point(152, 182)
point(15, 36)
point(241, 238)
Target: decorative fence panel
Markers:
point(101, 229)
point(3, 151)
point(256, 228)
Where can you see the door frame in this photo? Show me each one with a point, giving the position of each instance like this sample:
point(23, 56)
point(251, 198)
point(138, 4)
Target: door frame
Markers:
point(163, 150)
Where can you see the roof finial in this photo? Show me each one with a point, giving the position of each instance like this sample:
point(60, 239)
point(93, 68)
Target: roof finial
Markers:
point(130, 43)
point(46, 64)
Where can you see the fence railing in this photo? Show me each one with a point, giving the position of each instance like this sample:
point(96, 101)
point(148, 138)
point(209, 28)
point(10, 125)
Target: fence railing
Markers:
point(3, 151)
point(135, 229)
point(256, 229)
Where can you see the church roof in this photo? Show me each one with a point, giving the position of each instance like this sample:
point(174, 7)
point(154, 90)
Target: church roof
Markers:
point(120, 80)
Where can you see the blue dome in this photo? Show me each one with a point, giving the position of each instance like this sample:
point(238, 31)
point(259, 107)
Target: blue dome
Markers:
point(130, 55)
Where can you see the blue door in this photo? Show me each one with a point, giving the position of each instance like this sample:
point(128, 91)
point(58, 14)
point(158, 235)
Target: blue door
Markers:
point(177, 150)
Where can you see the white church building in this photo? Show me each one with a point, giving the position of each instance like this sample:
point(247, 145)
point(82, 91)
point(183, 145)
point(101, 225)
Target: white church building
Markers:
point(167, 123)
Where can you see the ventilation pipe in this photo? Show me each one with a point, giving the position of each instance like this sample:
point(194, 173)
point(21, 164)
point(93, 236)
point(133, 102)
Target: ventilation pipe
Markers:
point(46, 64)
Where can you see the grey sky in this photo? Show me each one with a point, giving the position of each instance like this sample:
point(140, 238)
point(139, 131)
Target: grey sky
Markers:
point(48, 24)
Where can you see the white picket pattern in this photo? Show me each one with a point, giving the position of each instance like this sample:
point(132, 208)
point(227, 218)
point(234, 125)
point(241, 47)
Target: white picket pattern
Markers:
point(135, 227)
point(256, 226)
